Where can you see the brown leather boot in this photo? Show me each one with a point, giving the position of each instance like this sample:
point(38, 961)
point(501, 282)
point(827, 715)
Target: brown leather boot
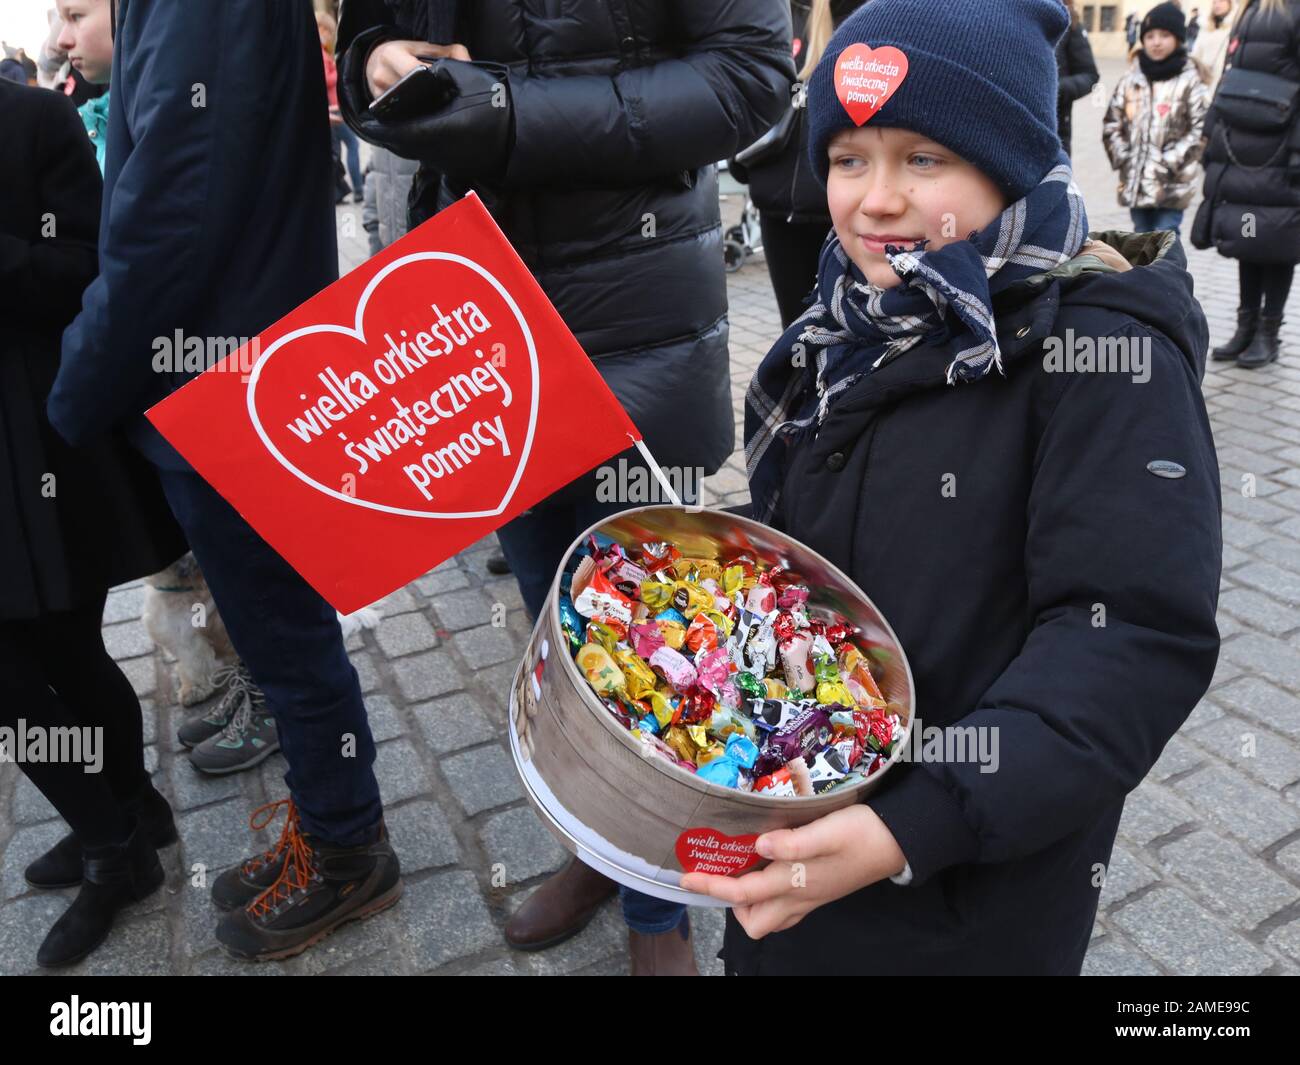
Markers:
point(562, 907)
point(666, 954)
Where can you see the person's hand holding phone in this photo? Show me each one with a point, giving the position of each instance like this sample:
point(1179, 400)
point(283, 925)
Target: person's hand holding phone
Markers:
point(389, 62)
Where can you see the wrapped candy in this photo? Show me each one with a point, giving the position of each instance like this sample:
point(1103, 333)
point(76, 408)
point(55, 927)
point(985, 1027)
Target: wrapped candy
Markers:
point(599, 668)
point(674, 667)
point(750, 693)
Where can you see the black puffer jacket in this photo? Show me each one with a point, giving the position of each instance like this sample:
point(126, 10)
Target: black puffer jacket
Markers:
point(608, 190)
point(1056, 593)
point(1252, 180)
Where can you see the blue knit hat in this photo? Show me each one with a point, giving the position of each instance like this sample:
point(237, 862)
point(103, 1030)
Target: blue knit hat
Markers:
point(981, 80)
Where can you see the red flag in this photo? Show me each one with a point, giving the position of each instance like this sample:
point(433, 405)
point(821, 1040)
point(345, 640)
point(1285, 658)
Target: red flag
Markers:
point(400, 414)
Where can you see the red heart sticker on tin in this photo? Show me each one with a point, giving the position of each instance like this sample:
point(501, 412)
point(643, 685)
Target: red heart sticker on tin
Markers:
point(706, 850)
point(865, 79)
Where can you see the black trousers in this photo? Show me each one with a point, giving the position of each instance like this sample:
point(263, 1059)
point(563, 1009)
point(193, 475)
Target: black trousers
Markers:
point(1266, 283)
point(791, 250)
point(56, 673)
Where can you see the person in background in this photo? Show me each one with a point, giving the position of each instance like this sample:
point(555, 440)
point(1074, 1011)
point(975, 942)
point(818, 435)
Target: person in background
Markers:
point(592, 140)
point(86, 37)
point(1211, 48)
point(1076, 73)
point(1251, 209)
point(74, 522)
point(790, 201)
point(343, 139)
point(1153, 127)
point(196, 240)
point(1131, 29)
point(1193, 28)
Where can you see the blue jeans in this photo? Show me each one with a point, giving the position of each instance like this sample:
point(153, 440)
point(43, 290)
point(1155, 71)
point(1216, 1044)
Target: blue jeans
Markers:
point(290, 640)
point(534, 544)
point(346, 143)
point(1151, 219)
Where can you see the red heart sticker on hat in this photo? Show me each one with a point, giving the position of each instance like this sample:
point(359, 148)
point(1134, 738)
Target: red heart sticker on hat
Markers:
point(706, 850)
point(865, 79)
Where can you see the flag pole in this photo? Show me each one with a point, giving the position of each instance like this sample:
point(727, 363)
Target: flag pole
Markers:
point(654, 466)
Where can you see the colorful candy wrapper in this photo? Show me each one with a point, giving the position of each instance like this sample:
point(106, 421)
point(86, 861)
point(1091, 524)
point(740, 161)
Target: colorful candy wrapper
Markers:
point(674, 667)
point(658, 555)
point(571, 623)
point(827, 767)
point(776, 784)
point(702, 634)
point(646, 638)
point(639, 679)
point(794, 660)
point(657, 594)
point(599, 668)
point(600, 597)
point(807, 734)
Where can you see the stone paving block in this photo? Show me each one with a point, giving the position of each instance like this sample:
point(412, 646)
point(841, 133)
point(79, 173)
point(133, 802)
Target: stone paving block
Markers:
point(1286, 940)
point(1112, 956)
point(385, 719)
point(401, 771)
point(127, 640)
point(422, 836)
point(483, 778)
point(1125, 875)
point(1239, 806)
point(521, 844)
point(366, 672)
point(436, 584)
point(124, 604)
point(1265, 702)
point(1263, 754)
point(444, 918)
point(463, 610)
point(405, 634)
point(426, 675)
point(190, 788)
point(1152, 811)
point(23, 926)
point(1240, 889)
point(1178, 757)
point(24, 847)
point(487, 646)
point(398, 602)
point(1184, 938)
point(453, 722)
point(29, 805)
point(1259, 611)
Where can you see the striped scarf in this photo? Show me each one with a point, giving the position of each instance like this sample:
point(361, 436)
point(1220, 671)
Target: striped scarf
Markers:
point(855, 326)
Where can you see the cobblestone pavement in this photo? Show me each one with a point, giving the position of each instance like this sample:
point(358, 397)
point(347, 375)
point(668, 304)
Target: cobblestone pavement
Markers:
point(1205, 876)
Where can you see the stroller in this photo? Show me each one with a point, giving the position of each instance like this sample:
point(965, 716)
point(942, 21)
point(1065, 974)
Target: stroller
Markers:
point(743, 239)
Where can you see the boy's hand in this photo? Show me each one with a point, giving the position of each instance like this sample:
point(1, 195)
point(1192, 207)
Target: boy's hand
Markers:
point(391, 61)
point(833, 856)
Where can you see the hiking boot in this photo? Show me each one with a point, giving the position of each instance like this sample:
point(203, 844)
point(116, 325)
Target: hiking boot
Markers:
point(242, 884)
point(235, 684)
point(61, 865)
point(1240, 341)
point(248, 740)
point(113, 878)
point(320, 888)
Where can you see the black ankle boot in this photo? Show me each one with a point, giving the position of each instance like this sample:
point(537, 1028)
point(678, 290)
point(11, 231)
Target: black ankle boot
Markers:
point(112, 878)
point(60, 866)
point(1246, 324)
point(1263, 348)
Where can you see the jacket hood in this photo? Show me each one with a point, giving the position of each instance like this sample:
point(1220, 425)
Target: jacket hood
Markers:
point(1157, 291)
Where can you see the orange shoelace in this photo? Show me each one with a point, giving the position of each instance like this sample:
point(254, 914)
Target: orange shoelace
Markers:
point(263, 816)
point(298, 870)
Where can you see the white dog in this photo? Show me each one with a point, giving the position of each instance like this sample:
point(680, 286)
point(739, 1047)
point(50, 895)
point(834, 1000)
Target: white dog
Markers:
point(182, 619)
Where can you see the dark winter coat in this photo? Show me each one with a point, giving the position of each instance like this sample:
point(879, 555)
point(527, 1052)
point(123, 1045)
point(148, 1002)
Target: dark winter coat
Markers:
point(1076, 75)
point(219, 203)
point(609, 191)
point(1043, 582)
point(73, 521)
point(1252, 180)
